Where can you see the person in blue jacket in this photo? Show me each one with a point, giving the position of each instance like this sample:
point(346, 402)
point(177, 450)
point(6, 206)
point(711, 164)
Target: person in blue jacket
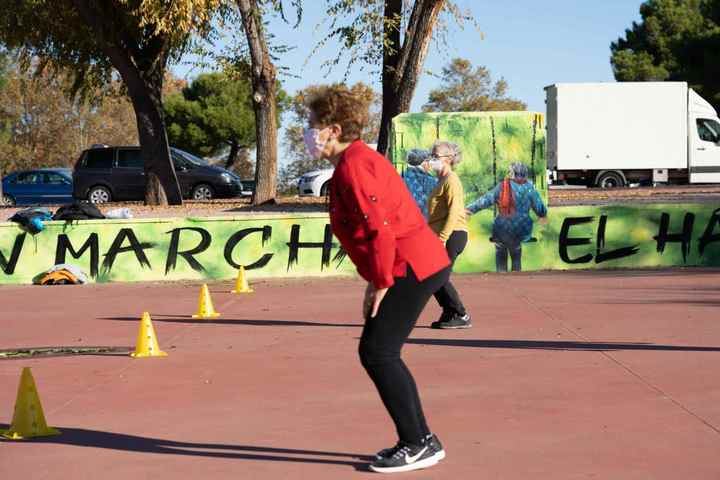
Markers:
point(515, 197)
point(418, 178)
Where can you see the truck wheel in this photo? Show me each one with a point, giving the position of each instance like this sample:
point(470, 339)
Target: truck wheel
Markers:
point(610, 180)
point(324, 189)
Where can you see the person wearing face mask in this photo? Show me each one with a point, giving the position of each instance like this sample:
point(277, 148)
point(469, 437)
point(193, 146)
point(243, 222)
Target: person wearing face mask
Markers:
point(515, 197)
point(446, 210)
point(375, 219)
point(418, 179)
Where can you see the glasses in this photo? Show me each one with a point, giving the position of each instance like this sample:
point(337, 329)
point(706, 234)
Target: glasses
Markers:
point(437, 157)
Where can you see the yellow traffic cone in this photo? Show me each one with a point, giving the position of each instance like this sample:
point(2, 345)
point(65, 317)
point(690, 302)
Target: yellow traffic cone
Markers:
point(241, 284)
point(28, 419)
point(205, 305)
point(147, 343)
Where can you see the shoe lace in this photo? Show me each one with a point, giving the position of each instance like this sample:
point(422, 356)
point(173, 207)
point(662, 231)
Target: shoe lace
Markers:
point(401, 450)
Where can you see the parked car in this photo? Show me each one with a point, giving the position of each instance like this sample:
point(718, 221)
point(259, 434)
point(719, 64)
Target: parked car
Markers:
point(315, 183)
point(103, 174)
point(248, 188)
point(40, 186)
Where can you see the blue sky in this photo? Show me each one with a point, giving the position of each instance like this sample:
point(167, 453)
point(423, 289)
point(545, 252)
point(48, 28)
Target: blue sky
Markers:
point(531, 44)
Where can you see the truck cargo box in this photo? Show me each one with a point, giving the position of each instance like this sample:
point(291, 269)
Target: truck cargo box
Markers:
point(623, 126)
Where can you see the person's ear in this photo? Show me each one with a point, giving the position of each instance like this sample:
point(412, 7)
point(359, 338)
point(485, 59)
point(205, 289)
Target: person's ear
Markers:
point(336, 131)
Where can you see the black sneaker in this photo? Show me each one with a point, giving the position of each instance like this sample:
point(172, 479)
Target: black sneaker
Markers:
point(388, 452)
point(406, 457)
point(444, 317)
point(456, 321)
point(432, 440)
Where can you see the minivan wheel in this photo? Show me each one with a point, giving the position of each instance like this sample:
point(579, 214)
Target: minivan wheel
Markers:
point(8, 201)
point(202, 192)
point(99, 194)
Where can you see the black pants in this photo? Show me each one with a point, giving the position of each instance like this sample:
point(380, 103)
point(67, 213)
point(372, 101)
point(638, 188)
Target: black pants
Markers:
point(447, 296)
point(380, 345)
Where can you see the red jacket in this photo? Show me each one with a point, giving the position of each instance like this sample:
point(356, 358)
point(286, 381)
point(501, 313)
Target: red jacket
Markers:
point(377, 221)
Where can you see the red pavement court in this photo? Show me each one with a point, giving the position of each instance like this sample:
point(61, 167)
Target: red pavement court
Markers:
point(602, 375)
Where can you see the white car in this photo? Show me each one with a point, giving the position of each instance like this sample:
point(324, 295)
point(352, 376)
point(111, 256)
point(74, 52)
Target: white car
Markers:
point(315, 183)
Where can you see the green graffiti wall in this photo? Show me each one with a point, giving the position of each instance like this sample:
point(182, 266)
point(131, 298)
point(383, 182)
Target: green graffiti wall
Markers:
point(175, 249)
point(579, 237)
point(280, 246)
point(489, 141)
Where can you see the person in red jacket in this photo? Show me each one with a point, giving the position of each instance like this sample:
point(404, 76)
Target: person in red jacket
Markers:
point(381, 228)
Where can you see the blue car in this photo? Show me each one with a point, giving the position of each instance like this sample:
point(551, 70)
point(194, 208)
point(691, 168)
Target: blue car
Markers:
point(41, 186)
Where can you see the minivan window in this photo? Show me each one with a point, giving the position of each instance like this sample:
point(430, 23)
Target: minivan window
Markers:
point(130, 159)
point(189, 157)
point(99, 158)
point(708, 130)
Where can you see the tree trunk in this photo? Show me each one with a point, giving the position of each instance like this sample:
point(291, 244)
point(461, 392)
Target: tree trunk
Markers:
point(232, 157)
point(142, 69)
point(401, 67)
point(161, 186)
point(391, 56)
point(264, 104)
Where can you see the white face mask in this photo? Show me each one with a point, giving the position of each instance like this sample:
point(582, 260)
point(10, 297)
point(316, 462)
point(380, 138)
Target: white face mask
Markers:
point(436, 165)
point(313, 144)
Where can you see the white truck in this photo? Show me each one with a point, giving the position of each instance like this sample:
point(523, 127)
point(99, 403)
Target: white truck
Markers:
point(616, 134)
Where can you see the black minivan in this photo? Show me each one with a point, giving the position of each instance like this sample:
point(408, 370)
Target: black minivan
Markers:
point(103, 174)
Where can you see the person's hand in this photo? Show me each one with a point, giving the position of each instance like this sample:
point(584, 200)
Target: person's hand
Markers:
point(373, 299)
point(543, 220)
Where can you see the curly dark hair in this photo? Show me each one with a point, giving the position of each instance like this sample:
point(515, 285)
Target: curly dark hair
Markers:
point(338, 104)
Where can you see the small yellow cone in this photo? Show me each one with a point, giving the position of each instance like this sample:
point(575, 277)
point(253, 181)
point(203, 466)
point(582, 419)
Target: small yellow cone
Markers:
point(147, 343)
point(28, 419)
point(205, 305)
point(241, 284)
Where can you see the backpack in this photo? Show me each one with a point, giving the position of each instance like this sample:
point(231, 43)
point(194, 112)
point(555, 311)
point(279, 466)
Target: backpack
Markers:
point(31, 219)
point(78, 211)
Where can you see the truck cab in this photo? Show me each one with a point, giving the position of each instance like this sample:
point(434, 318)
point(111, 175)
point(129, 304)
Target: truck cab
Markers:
point(704, 140)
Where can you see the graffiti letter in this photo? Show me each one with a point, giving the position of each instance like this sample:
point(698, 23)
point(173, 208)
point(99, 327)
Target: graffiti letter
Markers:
point(64, 245)
point(187, 254)
point(708, 237)
point(663, 237)
point(565, 242)
point(295, 245)
point(8, 266)
point(238, 236)
point(601, 256)
point(135, 246)
point(339, 256)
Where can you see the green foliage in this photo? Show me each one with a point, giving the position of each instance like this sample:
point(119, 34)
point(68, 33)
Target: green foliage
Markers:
point(4, 67)
point(150, 31)
point(468, 89)
point(362, 29)
point(210, 114)
point(677, 40)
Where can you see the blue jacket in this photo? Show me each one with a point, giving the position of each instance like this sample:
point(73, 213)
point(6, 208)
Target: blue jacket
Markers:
point(421, 184)
point(517, 228)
